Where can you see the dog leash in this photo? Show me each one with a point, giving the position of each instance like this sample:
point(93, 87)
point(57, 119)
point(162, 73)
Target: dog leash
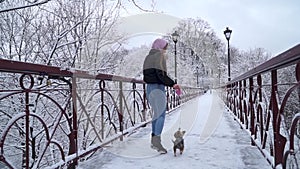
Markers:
point(179, 127)
point(178, 92)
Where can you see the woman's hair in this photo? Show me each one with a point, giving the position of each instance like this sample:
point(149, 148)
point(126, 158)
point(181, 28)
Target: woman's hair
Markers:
point(160, 44)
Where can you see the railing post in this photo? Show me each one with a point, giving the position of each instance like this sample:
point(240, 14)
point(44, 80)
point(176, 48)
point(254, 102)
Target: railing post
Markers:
point(102, 88)
point(134, 103)
point(259, 108)
point(245, 107)
point(120, 112)
point(297, 74)
point(174, 99)
point(228, 97)
point(73, 134)
point(279, 140)
point(251, 107)
point(25, 160)
point(240, 95)
point(169, 102)
point(144, 102)
point(235, 98)
point(27, 131)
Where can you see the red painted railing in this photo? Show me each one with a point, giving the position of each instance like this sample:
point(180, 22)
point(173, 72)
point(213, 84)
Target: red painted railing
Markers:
point(52, 117)
point(266, 100)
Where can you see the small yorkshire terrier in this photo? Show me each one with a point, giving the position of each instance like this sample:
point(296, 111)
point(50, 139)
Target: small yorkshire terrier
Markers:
point(179, 141)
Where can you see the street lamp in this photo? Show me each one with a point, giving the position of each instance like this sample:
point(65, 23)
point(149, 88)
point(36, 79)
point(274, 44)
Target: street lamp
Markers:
point(175, 37)
point(227, 34)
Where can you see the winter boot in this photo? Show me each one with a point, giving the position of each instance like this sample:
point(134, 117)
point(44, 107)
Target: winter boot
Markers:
point(156, 144)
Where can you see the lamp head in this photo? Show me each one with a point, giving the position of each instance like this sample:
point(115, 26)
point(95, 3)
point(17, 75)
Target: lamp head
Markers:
point(175, 37)
point(227, 33)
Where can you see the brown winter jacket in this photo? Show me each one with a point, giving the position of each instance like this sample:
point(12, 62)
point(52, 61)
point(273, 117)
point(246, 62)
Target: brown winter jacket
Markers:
point(155, 69)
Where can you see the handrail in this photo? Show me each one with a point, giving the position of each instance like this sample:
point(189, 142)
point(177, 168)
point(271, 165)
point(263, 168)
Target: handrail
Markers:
point(38, 69)
point(287, 58)
point(266, 103)
point(55, 122)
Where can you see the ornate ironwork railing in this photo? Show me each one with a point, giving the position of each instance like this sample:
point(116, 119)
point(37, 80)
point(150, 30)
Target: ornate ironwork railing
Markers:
point(266, 100)
point(54, 117)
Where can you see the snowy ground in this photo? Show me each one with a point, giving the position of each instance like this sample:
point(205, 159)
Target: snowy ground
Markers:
point(213, 141)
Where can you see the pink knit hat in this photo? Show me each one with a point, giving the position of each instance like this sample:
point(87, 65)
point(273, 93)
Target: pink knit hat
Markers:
point(159, 44)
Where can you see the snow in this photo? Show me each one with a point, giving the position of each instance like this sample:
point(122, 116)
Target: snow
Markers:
point(213, 140)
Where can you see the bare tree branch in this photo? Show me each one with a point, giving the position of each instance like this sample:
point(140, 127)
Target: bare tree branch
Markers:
point(22, 7)
point(133, 1)
point(58, 39)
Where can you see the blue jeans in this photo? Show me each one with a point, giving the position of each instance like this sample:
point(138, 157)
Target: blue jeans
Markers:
point(156, 96)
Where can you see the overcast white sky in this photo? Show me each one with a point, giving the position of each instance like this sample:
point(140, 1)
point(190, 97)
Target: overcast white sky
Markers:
point(270, 24)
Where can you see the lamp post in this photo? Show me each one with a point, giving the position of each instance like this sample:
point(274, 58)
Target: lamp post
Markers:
point(227, 34)
point(175, 37)
point(197, 73)
point(219, 74)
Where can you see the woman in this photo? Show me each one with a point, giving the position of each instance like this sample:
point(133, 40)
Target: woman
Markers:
point(155, 75)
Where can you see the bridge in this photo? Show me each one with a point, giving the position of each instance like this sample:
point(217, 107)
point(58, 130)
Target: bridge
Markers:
point(213, 140)
point(63, 118)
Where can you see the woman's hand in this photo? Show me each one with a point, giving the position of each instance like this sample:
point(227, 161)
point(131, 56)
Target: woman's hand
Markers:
point(176, 86)
point(177, 89)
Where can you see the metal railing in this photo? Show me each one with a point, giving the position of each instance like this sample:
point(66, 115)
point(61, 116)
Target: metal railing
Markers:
point(266, 100)
point(53, 118)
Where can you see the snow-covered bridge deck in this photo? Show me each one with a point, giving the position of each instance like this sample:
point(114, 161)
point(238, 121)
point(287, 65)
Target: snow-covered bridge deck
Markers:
point(213, 140)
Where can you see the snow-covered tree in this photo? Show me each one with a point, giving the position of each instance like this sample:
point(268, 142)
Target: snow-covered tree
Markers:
point(200, 52)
